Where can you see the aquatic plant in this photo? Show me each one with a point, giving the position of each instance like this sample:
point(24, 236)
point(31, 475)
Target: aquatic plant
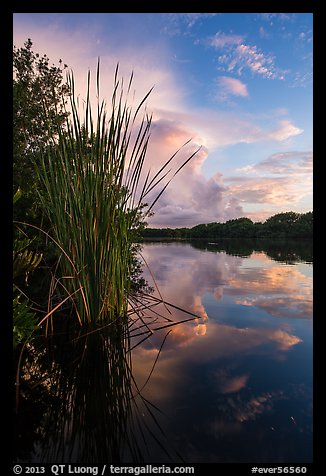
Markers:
point(94, 190)
point(93, 193)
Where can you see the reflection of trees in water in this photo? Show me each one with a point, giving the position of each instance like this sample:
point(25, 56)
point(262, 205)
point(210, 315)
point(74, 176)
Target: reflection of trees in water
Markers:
point(289, 252)
point(79, 401)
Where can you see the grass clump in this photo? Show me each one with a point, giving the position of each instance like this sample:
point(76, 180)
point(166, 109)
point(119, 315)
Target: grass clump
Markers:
point(93, 193)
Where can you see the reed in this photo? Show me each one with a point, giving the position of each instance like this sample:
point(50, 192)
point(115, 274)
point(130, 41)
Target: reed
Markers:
point(93, 192)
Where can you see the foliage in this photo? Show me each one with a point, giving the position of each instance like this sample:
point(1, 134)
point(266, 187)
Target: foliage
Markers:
point(25, 262)
point(282, 225)
point(24, 320)
point(38, 93)
point(290, 223)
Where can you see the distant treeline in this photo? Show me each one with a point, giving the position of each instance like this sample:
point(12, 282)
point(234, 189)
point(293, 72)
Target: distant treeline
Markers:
point(282, 225)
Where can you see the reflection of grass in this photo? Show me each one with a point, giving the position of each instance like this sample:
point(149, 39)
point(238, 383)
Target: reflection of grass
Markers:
point(93, 409)
point(96, 412)
point(93, 386)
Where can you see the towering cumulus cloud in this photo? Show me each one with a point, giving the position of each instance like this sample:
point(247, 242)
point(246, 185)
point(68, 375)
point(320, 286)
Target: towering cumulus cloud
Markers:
point(234, 90)
point(191, 198)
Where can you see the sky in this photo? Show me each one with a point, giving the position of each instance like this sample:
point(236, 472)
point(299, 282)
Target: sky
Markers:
point(239, 85)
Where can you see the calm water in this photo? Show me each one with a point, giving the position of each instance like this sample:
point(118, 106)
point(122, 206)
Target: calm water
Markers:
point(234, 385)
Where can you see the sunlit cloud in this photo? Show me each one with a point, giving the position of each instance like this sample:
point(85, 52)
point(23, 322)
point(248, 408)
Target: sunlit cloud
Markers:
point(176, 22)
point(149, 68)
point(267, 190)
point(220, 40)
point(237, 56)
point(281, 17)
point(228, 86)
point(284, 131)
point(192, 197)
point(244, 57)
point(299, 163)
point(280, 179)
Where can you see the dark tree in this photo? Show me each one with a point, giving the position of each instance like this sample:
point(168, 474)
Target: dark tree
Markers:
point(36, 84)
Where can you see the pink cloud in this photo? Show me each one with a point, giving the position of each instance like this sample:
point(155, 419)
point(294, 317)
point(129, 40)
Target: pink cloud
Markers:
point(191, 198)
point(296, 162)
point(231, 86)
point(220, 40)
point(277, 181)
point(280, 191)
point(240, 56)
point(284, 131)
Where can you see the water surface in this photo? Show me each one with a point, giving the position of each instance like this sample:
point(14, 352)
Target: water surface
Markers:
point(236, 384)
point(229, 386)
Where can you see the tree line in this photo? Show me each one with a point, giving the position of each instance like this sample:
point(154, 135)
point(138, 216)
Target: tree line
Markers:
point(282, 225)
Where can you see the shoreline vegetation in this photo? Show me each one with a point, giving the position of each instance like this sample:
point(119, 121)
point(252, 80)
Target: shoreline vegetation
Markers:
point(80, 196)
point(287, 225)
point(85, 201)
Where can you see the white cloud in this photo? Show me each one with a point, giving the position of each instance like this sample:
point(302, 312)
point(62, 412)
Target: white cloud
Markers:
point(192, 18)
point(264, 190)
point(252, 58)
point(277, 16)
point(220, 40)
point(287, 162)
point(284, 131)
point(238, 56)
point(175, 22)
point(80, 52)
point(191, 198)
point(281, 180)
point(230, 87)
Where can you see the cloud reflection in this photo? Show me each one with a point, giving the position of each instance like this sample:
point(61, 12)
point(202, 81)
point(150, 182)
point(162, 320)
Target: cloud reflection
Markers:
point(224, 376)
point(230, 384)
point(185, 276)
point(281, 291)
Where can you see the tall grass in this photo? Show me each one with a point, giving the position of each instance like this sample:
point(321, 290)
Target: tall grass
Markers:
point(93, 192)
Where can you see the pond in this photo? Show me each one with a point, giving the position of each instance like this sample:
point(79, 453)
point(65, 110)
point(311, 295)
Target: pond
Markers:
point(232, 385)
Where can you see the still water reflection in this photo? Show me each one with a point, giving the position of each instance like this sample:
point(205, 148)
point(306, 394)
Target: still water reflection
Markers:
point(233, 385)
point(236, 384)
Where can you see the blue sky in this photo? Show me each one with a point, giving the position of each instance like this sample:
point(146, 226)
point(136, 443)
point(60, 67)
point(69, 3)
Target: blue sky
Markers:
point(238, 84)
